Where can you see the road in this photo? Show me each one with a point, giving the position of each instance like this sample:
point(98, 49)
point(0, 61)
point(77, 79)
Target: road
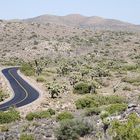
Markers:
point(24, 93)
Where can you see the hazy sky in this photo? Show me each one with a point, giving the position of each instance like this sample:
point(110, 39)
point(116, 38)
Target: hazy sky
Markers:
point(126, 10)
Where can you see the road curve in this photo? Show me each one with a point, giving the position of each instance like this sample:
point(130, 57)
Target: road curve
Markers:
point(24, 93)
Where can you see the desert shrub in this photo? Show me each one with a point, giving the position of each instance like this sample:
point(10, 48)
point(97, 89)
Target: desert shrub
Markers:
point(104, 115)
point(40, 79)
point(51, 111)
point(126, 88)
point(116, 108)
point(95, 84)
point(84, 72)
point(2, 95)
point(4, 128)
point(27, 137)
point(64, 115)
point(27, 69)
point(132, 80)
point(85, 103)
point(39, 115)
point(63, 70)
point(100, 72)
point(128, 130)
point(92, 111)
point(82, 88)
point(72, 130)
point(98, 100)
point(130, 67)
point(32, 116)
point(9, 116)
point(54, 89)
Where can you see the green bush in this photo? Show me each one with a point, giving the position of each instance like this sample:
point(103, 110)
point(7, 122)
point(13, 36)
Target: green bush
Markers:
point(64, 116)
point(32, 116)
point(82, 88)
point(9, 116)
point(39, 115)
point(27, 137)
point(85, 103)
point(51, 111)
point(104, 115)
point(130, 67)
point(72, 130)
point(132, 80)
point(126, 88)
point(97, 101)
point(2, 95)
point(92, 111)
point(27, 69)
point(40, 79)
point(54, 90)
point(127, 130)
point(116, 108)
point(4, 128)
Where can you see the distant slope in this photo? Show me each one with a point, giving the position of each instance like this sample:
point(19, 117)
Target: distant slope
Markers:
point(80, 21)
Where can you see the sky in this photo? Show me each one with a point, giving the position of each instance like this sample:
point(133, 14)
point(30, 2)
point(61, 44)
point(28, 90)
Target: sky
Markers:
point(125, 10)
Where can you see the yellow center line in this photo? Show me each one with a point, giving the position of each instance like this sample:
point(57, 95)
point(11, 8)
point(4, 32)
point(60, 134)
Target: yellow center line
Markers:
point(9, 71)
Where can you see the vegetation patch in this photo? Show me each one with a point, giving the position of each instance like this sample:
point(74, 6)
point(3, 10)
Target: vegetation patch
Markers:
point(128, 130)
point(82, 88)
point(65, 116)
point(72, 130)
point(130, 67)
point(27, 69)
point(4, 128)
point(116, 108)
point(132, 80)
point(9, 116)
point(104, 115)
point(27, 137)
point(2, 96)
point(40, 79)
point(39, 115)
point(92, 111)
point(98, 100)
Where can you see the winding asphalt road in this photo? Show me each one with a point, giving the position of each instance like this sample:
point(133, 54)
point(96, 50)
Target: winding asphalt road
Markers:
point(24, 93)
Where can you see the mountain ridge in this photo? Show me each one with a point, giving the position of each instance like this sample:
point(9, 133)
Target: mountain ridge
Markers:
point(92, 22)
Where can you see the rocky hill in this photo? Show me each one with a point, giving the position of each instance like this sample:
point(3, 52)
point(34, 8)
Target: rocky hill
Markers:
point(35, 40)
point(89, 70)
point(80, 21)
point(54, 36)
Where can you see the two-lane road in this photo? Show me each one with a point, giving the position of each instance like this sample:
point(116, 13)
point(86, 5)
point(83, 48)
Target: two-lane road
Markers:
point(24, 93)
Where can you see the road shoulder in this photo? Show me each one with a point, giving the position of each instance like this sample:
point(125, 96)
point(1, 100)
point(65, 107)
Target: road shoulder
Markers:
point(6, 85)
point(36, 105)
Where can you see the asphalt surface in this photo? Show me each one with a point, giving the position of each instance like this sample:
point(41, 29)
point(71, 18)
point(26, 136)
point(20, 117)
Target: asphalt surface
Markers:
point(24, 93)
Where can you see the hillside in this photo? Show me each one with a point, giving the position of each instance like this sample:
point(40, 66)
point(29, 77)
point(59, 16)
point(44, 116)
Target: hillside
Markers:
point(88, 77)
point(80, 21)
point(31, 40)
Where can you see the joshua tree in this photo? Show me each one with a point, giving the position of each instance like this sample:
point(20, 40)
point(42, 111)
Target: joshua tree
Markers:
point(63, 70)
point(38, 69)
point(92, 89)
point(53, 90)
point(73, 80)
point(106, 124)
